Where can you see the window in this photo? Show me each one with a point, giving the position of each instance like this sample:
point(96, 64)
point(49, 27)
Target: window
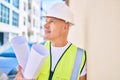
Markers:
point(24, 6)
point(7, 1)
point(29, 19)
point(16, 3)
point(29, 5)
point(15, 18)
point(34, 22)
point(24, 21)
point(41, 8)
point(4, 14)
point(34, 10)
point(1, 38)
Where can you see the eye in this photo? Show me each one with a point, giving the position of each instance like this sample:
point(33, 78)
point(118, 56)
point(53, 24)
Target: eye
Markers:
point(51, 21)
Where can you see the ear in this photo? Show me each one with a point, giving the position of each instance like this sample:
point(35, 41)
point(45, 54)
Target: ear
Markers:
point(67, 25)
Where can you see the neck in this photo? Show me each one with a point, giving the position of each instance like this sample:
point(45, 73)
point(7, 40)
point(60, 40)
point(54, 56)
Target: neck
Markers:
point(59, 43)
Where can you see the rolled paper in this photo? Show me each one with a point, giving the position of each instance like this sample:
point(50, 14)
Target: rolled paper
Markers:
point(35, 62)
point(21, 49)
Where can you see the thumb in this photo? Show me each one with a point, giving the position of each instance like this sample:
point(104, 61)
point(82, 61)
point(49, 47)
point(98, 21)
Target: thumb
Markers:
point(19, 68)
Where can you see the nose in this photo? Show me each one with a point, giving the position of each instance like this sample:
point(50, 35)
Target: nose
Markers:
point(46, 25)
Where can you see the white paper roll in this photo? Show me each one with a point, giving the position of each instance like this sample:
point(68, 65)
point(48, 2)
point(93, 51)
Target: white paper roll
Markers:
point(21, 49)
point(36, 60)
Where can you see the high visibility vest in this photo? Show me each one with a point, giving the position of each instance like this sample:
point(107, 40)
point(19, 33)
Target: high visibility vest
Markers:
point(69, 66)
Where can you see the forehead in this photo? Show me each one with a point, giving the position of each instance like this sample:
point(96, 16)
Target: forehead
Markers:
point(53, 18)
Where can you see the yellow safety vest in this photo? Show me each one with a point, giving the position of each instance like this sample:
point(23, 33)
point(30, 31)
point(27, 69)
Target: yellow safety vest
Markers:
point(65, 65)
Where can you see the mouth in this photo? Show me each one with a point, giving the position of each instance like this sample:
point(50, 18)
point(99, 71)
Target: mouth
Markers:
point(47, 31)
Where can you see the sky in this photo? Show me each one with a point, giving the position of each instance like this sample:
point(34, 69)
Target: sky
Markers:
point(49, 3)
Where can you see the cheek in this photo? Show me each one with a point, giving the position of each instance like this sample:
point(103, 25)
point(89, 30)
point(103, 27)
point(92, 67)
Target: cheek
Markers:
point(57, 31)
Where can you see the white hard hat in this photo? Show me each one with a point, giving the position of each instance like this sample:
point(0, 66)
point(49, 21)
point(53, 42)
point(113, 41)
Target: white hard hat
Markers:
point(61, 11)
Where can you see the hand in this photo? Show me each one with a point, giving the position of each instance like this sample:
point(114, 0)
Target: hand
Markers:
point(19, 75)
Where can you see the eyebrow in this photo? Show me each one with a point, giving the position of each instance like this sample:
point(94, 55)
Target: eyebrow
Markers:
point(47, 20)
point(54, 18)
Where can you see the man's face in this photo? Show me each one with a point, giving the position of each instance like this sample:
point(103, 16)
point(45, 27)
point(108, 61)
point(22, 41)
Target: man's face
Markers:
point(54, 28)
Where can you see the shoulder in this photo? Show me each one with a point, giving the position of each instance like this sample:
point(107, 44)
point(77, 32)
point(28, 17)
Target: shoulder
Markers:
point(79, 49)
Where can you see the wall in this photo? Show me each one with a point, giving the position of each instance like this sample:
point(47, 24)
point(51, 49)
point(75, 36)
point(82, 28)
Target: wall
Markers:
point(77, 32)
point(98, 30)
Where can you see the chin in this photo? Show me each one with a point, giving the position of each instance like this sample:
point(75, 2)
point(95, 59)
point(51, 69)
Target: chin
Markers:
point(46, 37)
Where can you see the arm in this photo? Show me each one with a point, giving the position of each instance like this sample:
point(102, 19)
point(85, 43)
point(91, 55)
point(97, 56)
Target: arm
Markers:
point(83, 77)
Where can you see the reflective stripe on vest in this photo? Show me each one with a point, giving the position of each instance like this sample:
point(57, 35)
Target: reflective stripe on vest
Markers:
point(77, 64)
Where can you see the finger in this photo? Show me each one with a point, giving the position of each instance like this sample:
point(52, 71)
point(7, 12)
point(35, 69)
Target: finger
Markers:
point(19, 67)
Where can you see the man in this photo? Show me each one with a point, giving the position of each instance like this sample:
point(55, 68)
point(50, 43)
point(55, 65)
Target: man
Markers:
point(66, 61)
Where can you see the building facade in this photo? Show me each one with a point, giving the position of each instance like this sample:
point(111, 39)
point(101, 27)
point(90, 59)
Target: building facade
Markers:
point(19, 17)
point(13, 18)
point(34, 20)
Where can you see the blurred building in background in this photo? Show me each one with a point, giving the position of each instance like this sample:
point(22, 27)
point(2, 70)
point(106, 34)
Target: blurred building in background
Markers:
point(7, 22)
point(13, 19)
point(19, 17)
point(33, 20)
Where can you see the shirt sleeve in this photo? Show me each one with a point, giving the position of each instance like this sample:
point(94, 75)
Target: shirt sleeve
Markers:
point(84, 71)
